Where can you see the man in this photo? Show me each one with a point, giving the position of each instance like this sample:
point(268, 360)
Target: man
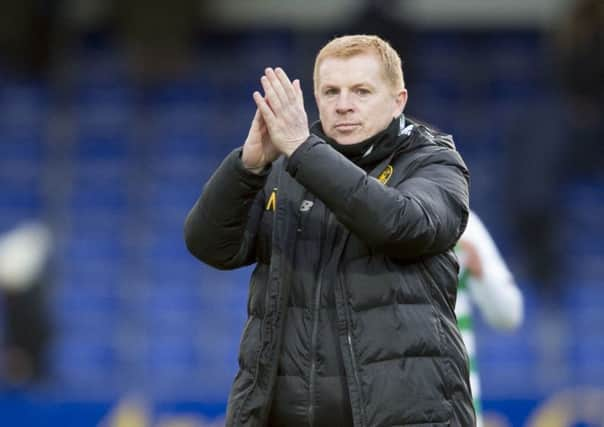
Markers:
point(25, 258)
point(484, 280)
point(352, 227)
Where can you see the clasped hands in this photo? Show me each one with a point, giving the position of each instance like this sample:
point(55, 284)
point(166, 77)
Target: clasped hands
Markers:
point(280, 124)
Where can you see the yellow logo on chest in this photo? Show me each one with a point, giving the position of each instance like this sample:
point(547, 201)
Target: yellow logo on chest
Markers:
point(384, 177)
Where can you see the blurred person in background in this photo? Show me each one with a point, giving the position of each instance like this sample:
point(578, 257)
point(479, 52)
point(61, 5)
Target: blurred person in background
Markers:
point(352, 227)
point(24, 261)
point(580, 42)
point(381, 17)
point(26, 29)
point(486, 282)
point(160, 39)
point(557, 143)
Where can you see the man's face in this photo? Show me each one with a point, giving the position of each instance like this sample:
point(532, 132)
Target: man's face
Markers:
point(354, 99)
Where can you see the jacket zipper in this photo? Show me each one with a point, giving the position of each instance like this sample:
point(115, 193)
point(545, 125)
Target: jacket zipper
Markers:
point(315, 327)
point(313, 344)
point(355, 371)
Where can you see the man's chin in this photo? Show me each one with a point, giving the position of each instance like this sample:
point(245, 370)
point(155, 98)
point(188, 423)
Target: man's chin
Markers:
point(348, 139)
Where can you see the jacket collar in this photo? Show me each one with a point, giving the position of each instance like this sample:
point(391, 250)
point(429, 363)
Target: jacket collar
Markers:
point(375, 148)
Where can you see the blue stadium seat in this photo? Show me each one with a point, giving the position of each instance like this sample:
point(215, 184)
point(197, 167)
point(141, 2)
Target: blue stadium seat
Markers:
point(172, 362)
point(27, 146)
point(109, 250)
point(23, 105)
point(85, 201)
point(179, 96)
point(21, 199)
point(103, 146)
point(89, 365)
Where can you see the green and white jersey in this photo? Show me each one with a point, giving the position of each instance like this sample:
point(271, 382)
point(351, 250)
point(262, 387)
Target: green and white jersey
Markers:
point(494, 293)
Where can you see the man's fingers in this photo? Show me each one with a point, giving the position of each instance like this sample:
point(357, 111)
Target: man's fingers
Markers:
point(278, 86)
point(298, 90)
point(267, 114)
point(270, 96)
point(261, 123)
point(256, 119)
point(258, 122)
point(286, 84)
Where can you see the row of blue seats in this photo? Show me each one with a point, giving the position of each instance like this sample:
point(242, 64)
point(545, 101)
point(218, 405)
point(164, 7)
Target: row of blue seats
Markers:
point(107, 70)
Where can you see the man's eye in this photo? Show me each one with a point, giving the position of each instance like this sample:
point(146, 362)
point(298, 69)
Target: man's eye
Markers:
point(330, 92)
point(362, 91)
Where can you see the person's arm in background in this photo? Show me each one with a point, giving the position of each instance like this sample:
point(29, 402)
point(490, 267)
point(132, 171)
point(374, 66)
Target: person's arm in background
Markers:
point(490, 283)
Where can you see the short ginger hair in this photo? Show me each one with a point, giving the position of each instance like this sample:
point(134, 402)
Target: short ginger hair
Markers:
point(348, 46)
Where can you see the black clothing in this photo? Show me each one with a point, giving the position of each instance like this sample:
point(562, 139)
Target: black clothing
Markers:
point(370, 151)
point(350, 307)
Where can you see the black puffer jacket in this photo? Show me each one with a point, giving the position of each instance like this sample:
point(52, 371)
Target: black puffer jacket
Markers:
point(351, 303)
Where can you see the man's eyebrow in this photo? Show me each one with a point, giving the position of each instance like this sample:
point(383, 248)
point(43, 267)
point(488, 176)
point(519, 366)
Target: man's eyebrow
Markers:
point(365, 83)
point(328, 86)
point(355, 85)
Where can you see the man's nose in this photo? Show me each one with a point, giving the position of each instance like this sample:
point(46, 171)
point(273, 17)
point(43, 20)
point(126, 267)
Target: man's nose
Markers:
point(344, 103)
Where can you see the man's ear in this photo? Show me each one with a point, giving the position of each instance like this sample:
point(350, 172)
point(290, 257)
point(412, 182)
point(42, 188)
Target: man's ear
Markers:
point(400, 102)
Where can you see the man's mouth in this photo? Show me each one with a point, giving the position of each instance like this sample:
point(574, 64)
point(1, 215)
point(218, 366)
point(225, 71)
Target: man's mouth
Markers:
point(348, 126)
